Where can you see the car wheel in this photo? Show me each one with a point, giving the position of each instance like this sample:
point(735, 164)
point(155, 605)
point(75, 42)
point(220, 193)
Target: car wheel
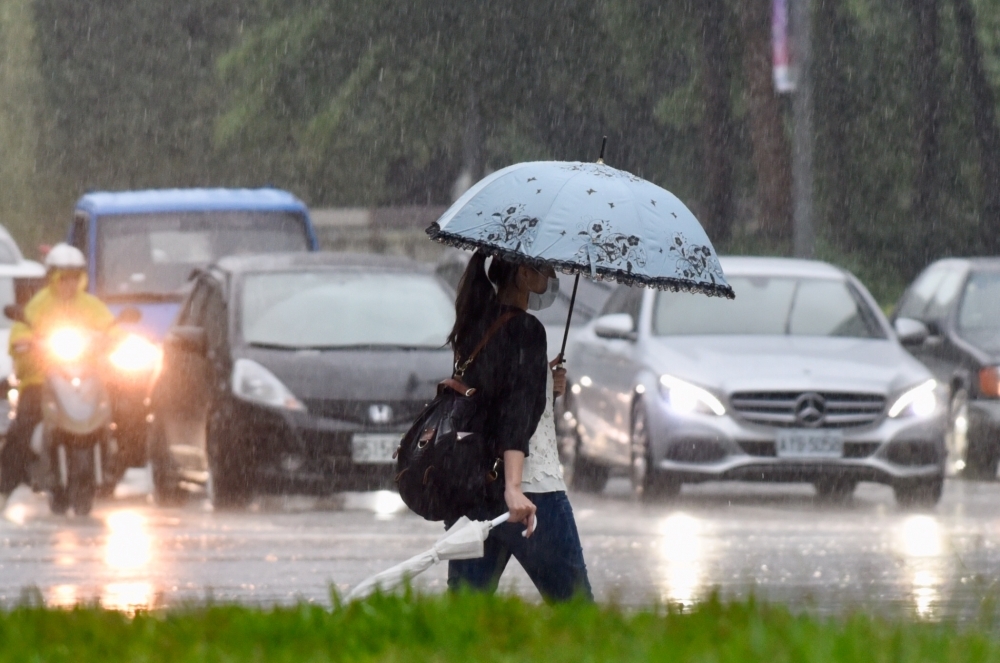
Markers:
point(647, 482)
point(973, 450)
point(835, 490)
point(586, 475)
point(166, 482)
point(228, 474)
point(922, 493)
point(58, 501)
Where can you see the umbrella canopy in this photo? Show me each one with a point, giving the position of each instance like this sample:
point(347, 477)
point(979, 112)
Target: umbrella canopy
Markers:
point(463, 540)
point(586, 218)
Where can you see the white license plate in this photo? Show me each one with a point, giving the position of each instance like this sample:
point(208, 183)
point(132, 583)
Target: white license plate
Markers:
point(810, 444)
point(374, 447)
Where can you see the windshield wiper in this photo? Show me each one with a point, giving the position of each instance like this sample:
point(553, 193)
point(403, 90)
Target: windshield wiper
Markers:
point(357, 346)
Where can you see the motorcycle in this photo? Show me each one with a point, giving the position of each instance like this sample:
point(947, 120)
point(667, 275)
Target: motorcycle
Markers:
point(73, 443)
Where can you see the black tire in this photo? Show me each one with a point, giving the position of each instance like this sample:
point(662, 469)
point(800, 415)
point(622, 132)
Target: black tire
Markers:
point(229, 472)
point(59, 501)
point(166, 479)
point(82, 486)
point(922, 493)
point(982, 448)
point(957, 437)
point(586, 475)
point(647, 483)
point(835, 490)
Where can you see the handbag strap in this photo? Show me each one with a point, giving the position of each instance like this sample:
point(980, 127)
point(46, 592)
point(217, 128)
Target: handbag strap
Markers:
point(494, 328)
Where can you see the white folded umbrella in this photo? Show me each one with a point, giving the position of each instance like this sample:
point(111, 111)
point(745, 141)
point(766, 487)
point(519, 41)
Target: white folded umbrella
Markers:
point(463, 540)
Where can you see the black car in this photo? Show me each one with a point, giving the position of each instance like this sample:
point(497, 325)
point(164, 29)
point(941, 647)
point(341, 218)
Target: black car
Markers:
point(297, 373)
point(951, 313)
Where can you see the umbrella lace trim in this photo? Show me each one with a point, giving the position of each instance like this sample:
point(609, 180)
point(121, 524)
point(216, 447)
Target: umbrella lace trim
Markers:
point(694, 261)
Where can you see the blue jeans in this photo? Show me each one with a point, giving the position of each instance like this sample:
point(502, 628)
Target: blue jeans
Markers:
point(552, 557)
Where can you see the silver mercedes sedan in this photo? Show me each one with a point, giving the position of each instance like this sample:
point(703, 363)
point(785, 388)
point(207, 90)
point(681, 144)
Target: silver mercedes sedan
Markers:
point(799, 379)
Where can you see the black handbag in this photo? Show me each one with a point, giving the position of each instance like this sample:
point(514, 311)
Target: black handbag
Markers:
point(444, 465)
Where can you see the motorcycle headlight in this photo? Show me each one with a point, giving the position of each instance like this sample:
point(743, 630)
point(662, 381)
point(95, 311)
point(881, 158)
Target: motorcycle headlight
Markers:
point(67, 344)
point(921, 401)
point(686, 397)
point(136, 354)
point(253, 382)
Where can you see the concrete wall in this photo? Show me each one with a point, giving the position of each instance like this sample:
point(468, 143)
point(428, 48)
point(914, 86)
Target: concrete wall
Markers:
point(390, 230)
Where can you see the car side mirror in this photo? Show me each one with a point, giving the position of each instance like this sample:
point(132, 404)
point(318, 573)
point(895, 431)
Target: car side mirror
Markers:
point(910, 331)
point(129, 316)
point(618, 326)
point(14, 312)
point(188, 338)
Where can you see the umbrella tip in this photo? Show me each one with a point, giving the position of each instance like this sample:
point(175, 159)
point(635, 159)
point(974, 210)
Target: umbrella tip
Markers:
point(604, 143)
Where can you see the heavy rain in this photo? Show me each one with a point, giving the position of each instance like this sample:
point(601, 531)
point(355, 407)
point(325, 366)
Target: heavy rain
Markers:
point(242, 246)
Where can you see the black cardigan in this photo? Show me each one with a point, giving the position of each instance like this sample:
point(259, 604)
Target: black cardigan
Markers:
point(510, 376)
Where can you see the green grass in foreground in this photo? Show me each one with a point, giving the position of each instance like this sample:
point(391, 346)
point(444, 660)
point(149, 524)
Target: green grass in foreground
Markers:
point(477, 628)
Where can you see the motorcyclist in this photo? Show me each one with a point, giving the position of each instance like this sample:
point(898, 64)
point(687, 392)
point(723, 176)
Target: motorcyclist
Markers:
point(63, 301)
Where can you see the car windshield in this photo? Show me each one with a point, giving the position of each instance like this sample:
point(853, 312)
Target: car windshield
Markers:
point(345, 309)
point(979, 313)
point(153, 254)
point(765, 305)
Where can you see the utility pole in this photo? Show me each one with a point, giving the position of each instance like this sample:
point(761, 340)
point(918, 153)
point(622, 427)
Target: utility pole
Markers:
point(803, 232)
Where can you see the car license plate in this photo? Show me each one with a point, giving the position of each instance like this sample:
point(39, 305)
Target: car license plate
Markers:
point(810, 444)
point(374, 447)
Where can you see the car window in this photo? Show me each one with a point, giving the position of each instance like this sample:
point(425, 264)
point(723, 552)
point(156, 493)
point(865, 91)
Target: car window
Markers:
point(914, 304)
point(618, 301)
point(979, 311)
point(336, 309)
point(945, 295)
point(6, 298)
point(153, 254)
point(767, 305)
point(193, 313)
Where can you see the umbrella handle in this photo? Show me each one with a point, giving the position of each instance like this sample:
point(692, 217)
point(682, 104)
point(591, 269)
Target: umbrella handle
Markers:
point(500, 520)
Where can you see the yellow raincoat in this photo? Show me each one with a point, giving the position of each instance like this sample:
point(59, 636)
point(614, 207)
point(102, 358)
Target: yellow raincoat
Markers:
point(44, 313)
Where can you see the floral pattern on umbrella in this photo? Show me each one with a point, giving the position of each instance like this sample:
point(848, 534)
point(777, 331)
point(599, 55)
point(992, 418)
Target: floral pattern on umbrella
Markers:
point(608, 248)
point(511, 228)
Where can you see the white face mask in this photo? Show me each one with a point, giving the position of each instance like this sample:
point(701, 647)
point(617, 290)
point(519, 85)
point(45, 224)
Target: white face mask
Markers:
point(538, 302)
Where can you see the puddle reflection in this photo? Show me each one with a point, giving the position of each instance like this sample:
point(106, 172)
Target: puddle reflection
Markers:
point(129, 546)
point(922, 542)
point(682, 550)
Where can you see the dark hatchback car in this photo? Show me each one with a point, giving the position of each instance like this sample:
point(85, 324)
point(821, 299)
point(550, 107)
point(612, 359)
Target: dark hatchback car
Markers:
point(955, 306)
point(297, 373)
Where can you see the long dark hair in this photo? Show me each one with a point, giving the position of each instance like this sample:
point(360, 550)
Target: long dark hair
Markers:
point(476, 303)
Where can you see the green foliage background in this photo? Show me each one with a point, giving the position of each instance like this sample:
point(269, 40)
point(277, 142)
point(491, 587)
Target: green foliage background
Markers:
point(368, 103)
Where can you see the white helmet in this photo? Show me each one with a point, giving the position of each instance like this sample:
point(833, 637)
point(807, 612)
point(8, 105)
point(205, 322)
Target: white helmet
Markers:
point(64, 256)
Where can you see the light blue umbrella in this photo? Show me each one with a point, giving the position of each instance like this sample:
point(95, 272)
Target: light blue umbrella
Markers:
point(586, 218)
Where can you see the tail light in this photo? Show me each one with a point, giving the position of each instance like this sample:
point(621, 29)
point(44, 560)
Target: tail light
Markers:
point(989, 382)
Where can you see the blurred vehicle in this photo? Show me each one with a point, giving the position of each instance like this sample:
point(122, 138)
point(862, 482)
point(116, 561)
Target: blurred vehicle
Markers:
point(952, 311)
point(141, 248)
point(9, 275)
point(10, 253)
point(799, 379)
point(72, 442)
point(297, 373)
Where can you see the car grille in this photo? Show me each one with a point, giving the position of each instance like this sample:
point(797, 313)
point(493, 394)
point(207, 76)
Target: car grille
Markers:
point(783, 408)
point(366, 412)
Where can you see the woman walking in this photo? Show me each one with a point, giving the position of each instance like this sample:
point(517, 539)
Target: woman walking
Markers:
point(516, 386)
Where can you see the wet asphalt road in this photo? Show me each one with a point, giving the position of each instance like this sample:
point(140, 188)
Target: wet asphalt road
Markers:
point(775, 541)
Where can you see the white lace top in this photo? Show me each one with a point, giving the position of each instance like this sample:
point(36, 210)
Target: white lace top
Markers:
point(542, 469)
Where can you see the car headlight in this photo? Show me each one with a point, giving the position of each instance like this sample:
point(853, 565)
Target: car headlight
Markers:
point(67, 344)
point(136, 354)
point(253, 382)
point(686, 397)
point(921, 401)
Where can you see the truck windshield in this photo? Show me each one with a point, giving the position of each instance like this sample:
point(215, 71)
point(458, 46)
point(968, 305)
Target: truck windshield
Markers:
point(151, 255)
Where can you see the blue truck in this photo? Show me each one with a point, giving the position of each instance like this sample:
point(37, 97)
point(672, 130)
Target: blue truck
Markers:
point(142, 247)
